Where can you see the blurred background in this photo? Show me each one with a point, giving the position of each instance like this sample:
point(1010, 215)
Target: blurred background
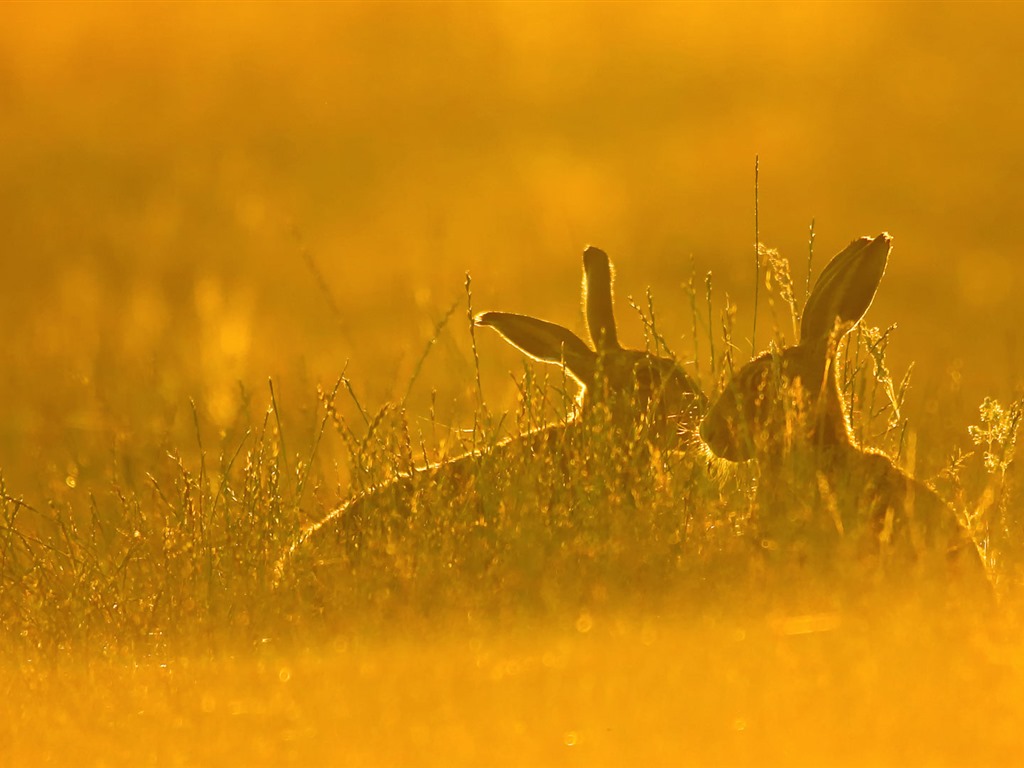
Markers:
point(196, 197)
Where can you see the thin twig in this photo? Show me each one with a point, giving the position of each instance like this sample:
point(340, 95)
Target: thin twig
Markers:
point(757, 255)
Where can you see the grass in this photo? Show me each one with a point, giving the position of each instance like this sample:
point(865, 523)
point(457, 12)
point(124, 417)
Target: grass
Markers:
point(603, 690)
point(512, 599)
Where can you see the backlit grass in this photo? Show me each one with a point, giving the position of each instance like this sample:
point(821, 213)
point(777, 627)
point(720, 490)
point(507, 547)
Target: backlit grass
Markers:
point(232, 298)
point(545, 591)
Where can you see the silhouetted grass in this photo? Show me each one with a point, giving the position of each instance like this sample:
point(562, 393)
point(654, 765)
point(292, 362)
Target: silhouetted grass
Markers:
point(183, 549)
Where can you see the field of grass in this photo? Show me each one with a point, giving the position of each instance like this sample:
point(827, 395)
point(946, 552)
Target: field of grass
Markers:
point(239, 252)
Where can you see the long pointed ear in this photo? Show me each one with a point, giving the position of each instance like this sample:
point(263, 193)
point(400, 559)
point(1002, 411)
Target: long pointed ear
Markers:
point(845, 289)
point(544, 341)
point(597, 299)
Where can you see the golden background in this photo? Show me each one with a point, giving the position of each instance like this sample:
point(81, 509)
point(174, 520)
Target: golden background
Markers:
point(195, 198)
point(168, 171)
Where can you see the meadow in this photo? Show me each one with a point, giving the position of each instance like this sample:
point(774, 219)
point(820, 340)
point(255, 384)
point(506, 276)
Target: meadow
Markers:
point(241, 249)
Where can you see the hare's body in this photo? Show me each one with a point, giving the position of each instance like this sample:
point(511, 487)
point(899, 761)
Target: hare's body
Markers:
point(819, 492)
point(851, 509)
point(344, 533)
point(631, 397)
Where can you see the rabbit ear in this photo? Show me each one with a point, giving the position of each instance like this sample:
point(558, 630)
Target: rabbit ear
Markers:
point(544, 341)
point(845, 288)
point(597, 299)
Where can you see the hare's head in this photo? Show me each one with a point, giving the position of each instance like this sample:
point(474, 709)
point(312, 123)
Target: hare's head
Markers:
point(793, 396)
point(635, 386)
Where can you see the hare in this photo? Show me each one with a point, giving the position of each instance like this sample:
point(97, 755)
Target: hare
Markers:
point(636, 387)
point(785, 409)
point(639, 397)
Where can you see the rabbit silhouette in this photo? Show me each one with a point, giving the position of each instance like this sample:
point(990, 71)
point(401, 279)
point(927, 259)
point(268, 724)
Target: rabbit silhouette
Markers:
point(785, 409)
point(628, 395)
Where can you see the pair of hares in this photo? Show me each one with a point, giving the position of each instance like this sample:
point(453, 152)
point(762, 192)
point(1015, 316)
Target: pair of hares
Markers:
point(891, 519)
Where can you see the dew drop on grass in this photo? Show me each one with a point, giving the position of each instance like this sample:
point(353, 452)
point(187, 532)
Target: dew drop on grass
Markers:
point(648, 634)
point(585, 622)
point(208, 703)
point(552, 660)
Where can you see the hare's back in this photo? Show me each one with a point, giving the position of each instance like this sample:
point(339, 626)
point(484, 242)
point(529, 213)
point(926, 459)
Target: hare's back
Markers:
point(916, 527)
